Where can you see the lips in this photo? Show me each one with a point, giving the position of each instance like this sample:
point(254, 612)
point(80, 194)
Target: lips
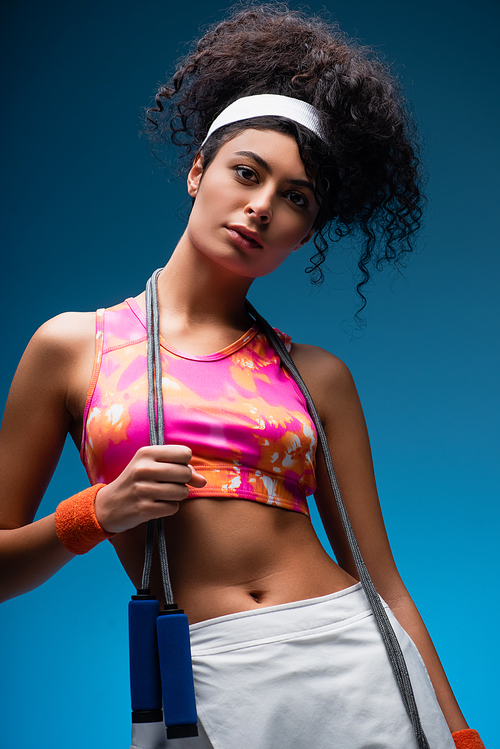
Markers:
point(245, 237)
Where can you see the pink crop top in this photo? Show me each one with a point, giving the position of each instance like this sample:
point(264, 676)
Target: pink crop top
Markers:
point(238, 410)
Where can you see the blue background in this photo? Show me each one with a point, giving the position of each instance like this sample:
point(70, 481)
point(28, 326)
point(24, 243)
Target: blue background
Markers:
point(87, 215)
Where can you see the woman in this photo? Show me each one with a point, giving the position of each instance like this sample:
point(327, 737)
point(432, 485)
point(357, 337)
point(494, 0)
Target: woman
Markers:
point(334, 146)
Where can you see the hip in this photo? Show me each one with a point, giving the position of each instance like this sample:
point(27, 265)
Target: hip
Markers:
point(308, 673)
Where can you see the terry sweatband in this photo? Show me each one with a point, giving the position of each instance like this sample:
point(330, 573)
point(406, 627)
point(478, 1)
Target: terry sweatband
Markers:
point(467, 738)
point(76, 524)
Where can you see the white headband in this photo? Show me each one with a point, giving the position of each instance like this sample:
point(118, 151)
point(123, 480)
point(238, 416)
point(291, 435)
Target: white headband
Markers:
point(262, 105)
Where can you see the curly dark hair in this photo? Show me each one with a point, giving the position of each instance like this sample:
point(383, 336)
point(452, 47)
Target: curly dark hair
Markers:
point(367, 172)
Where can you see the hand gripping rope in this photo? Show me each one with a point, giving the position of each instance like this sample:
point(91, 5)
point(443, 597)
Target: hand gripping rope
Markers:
point(176, 676)
point(160, 652)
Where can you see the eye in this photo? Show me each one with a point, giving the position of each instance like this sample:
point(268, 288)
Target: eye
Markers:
point(245, 173)
point(298, 199)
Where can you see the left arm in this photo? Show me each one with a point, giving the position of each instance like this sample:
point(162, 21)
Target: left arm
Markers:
point(334, 393)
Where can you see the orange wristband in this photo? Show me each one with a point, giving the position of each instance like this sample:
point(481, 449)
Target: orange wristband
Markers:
point(76, 524)
point(467, 738)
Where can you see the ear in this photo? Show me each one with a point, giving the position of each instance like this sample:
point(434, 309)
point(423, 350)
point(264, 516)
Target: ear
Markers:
point(194, 176)
point(304, 241)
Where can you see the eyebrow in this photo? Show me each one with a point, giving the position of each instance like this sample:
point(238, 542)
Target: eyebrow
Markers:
point(261, 162)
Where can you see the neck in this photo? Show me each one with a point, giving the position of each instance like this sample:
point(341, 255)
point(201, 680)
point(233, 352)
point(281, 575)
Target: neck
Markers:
point(197, 291)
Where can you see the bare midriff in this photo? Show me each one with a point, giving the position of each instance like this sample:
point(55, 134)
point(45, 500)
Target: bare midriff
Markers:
point(228, 555)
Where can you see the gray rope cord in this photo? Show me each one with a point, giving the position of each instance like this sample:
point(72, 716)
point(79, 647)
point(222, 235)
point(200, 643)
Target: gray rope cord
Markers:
point(157, 436)
point(148, 554)
point(165, 572)
point(156, 430)
point(389, 638)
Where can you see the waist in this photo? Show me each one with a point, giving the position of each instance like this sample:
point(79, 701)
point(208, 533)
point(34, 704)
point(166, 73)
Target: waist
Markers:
point(222, 633)
point(229, 555)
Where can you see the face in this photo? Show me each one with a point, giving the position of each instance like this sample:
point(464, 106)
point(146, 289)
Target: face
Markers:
point(254, 204)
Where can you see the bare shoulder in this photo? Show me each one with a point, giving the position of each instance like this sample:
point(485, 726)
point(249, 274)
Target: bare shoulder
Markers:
point(331, 385)
point(57, 363)
point(65, 333)
point(327, 377)
point(319, 360)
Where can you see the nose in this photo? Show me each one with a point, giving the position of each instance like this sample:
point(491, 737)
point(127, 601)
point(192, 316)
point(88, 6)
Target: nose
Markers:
point(260, 206)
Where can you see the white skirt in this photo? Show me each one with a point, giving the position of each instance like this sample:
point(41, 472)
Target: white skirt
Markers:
point(310, 674)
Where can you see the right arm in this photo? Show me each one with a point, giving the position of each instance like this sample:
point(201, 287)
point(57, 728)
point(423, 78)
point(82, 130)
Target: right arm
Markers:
point(46, 402)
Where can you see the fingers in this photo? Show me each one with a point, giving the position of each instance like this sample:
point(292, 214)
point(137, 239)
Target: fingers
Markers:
point(170, 463)
point(168, 453)
point(162, 473)
point(154, 491)
point(151, 486)
point(197, 480)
